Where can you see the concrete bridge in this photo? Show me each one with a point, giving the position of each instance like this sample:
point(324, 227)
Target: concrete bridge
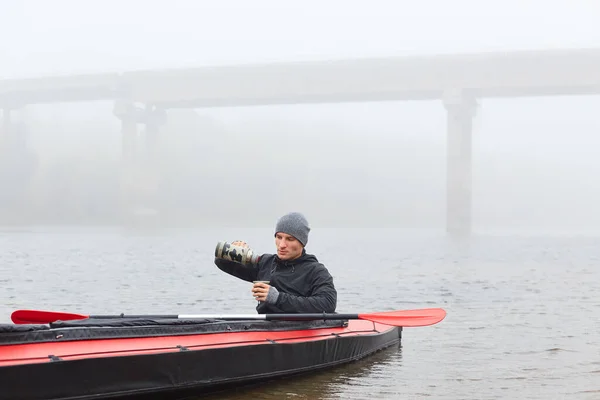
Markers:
point(457, 81)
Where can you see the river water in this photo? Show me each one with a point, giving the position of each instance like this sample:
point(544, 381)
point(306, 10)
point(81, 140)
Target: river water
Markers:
point(523, 311)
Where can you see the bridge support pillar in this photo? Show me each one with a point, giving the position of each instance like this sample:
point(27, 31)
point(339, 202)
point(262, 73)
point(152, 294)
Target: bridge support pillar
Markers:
point(153, 117)
point(139, 168)
point(127, 112)
point(461, 109)
point(6, 117)
point(5, 130)
point(5, 167)
point(18, 164)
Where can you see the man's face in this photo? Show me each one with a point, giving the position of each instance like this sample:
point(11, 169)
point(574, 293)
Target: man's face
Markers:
point(288, 247)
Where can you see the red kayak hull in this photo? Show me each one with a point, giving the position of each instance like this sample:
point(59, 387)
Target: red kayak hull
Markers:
point(83, 361)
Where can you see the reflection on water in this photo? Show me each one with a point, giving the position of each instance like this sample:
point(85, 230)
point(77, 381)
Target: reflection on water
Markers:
point(342, 382)
point(522, 316)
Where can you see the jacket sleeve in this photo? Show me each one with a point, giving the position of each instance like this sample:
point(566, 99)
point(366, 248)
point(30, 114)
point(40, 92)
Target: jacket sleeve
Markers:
point(322, 299)
point(244, 272)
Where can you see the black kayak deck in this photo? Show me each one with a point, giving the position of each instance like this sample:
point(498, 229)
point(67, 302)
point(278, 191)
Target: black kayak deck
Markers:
point(121, 328)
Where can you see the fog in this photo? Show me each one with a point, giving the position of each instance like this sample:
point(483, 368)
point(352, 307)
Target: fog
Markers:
point(535, 161)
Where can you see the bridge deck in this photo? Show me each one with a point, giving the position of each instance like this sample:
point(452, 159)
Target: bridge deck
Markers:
point(506, 74)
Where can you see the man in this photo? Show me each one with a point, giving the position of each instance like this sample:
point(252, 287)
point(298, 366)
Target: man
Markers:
point(298, 282)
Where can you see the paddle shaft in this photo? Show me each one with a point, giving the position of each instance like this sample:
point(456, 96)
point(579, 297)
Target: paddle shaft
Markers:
point(420, 317)
point(268, 317)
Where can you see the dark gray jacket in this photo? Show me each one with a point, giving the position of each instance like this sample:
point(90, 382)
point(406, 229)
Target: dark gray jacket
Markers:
point(304, 284)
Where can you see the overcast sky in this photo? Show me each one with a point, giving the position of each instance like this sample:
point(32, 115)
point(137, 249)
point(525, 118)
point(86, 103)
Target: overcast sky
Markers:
point(44, 37)
point(529, 154)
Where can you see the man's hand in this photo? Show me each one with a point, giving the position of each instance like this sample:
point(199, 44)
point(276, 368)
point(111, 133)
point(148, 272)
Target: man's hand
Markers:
point(260, 291)
point(240, 243)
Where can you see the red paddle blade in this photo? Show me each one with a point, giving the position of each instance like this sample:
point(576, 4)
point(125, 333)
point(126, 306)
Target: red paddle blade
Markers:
point(42, 317)
point(407, 318)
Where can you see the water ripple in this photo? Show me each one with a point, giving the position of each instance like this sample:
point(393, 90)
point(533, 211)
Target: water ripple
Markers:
point(521, 310)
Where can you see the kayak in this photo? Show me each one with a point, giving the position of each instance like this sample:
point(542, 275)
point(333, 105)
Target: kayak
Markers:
point(102, 358)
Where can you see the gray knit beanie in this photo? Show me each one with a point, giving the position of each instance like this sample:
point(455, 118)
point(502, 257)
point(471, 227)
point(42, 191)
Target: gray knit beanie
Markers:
point(294, 224)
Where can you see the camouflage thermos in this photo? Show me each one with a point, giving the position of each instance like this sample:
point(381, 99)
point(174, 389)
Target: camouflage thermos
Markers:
point(239, 254)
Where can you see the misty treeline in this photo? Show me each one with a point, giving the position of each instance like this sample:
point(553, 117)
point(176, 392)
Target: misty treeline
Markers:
point(379, 167)
point(204, 172)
